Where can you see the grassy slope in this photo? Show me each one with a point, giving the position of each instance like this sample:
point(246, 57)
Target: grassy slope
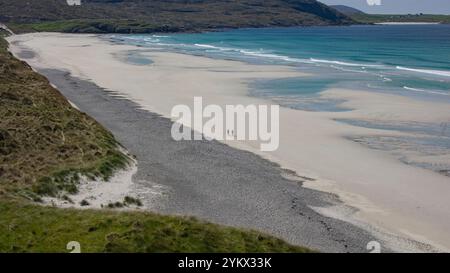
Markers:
point(30, 228)
point(44, 142)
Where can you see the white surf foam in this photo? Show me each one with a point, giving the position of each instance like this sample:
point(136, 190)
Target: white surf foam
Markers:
point(260, 53)
point(344, 63)
point(425, 91)
point(426, 71)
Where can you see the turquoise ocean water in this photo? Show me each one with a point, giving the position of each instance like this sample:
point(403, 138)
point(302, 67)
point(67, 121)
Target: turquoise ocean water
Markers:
point(407, 60)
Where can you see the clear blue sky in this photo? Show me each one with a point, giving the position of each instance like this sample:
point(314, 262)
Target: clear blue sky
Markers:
point(397, 6)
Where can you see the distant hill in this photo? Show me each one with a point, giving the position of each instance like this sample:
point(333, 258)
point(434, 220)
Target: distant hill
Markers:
point(169, 15)
point(347, 10)
point(365, 18)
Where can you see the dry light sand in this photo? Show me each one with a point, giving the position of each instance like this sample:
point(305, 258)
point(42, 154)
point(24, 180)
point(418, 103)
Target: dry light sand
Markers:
point(391, 196)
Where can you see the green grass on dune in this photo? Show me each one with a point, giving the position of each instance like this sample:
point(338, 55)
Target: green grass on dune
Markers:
point(3, 43)
point(30, 228)
point(45, 143)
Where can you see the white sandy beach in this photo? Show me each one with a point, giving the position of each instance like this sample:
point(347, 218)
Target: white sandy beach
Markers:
point(391, 196)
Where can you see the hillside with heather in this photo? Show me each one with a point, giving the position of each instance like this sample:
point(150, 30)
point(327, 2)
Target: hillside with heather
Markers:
point(125, 16)
point(347, 10)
